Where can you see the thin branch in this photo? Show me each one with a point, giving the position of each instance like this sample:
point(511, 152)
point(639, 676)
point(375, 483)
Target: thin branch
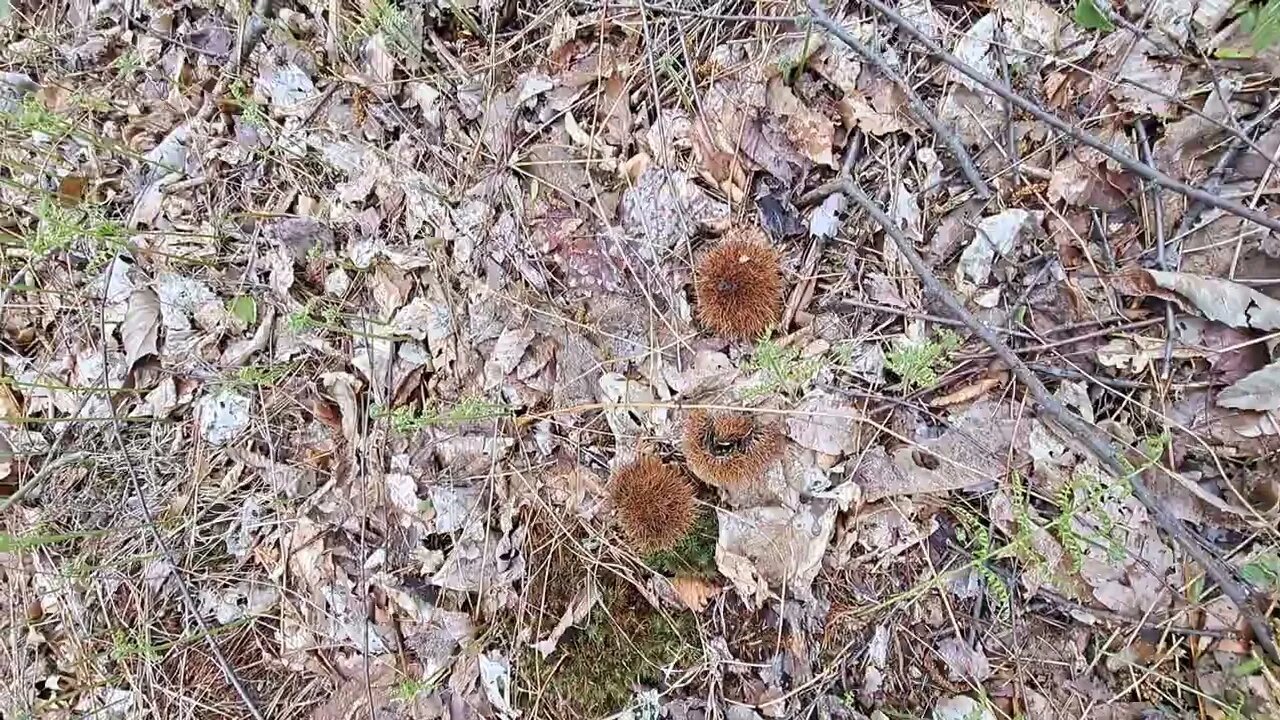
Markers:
point(1157, 204)
point(188, 599)
point(1088, 435)
point(917, 104)
point(1141, 169)
point(255, 28)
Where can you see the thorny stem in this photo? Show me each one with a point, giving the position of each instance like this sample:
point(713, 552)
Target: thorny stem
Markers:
point(1080, 430)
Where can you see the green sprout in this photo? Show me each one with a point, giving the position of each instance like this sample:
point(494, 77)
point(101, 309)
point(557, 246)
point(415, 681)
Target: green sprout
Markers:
point(470, 409)
point(782, 369)
point(918, 363)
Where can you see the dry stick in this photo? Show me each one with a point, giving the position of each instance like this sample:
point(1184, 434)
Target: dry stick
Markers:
point(918, 107)
point(188, 600)
point(1087, 434)
point(1157, 206)
point(1141, 169)
point(1258, 125)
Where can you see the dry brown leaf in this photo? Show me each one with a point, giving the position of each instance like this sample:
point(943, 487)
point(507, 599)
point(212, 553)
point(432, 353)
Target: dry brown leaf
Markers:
point(766, 549)
point(617, 112)
point(880, 113)
point(823, 424)
point(1138, 64)
point(694, 592)
point(972, 452)
point(964, 662)
point(343, 388)
point(973, 391)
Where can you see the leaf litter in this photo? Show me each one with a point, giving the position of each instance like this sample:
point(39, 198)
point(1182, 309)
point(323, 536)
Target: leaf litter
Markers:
point(318, 366)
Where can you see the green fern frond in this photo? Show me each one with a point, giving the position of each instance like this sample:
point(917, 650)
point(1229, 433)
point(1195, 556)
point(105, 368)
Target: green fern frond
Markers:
point(918, 363)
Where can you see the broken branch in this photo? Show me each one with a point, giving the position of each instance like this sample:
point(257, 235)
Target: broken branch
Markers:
point(1087, 434)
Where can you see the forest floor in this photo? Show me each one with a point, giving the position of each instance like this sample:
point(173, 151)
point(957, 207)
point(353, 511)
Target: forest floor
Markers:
point(690, 360)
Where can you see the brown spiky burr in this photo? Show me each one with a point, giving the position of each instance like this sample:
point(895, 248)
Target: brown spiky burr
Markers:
point(738, 286)
point(729, 448)
point(654, 502)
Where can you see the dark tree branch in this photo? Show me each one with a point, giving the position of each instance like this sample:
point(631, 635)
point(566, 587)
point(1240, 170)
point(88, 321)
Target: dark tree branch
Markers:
point(1139, 168)
point(917, 104)
point(1089, 436)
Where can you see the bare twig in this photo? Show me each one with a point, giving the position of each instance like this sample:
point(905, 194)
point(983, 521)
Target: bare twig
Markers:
point(918, 106)
point(802, 293)
point(1139, 168)
point(1088, 435)
point(1157, 203)
point(255, 26)
point(188, 599)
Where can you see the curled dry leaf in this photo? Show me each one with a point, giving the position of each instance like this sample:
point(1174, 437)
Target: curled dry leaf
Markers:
point(141, 326)
point(694, 592)
point(1222, 300)
point(969, 392)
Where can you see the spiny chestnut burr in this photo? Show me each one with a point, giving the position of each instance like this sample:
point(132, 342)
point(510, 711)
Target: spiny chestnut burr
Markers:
point(729, 448)
point(738, 286)
point(654, 502)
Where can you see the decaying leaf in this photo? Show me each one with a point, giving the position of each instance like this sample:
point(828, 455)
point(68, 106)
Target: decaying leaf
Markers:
point(765, 549)
point(973, 451)
point(965, 663)
point(1256, 391)
point(693, 591)
point(825, 425)
point(1222, 300)
point(140, 330)
point(996, 236)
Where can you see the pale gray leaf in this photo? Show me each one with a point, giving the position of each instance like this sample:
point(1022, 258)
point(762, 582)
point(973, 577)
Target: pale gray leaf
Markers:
point(140, 329)
point(1258, 390)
